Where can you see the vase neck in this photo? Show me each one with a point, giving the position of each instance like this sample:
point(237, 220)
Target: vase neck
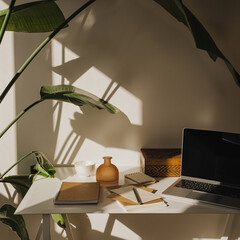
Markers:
point(107, 160)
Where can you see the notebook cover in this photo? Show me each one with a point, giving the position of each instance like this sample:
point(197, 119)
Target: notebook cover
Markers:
point(78, 193)
point(140, 177)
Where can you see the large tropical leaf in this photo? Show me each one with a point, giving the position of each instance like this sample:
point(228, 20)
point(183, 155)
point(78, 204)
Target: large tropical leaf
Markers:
point(66, 93)
point(43, 165)
point(6, 19)
point(20, 182)
point(16, 222)
point(201, 37)
point(79, 97)
point(41, 16)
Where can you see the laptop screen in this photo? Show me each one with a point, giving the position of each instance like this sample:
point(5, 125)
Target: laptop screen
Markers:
point(211, 155)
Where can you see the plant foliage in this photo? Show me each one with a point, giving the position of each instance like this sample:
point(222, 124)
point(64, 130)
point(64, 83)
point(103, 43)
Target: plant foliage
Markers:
point(40, 16)
point(43, 165)
point(201, 37)
point(15, 222)
point(20, 182)
point(58, 218)
point(79, 97)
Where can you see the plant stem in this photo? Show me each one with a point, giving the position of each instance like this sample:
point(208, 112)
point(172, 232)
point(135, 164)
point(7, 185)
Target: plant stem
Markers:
point(21, 159)
point(6, 19)
point(41, 46)
point(19, 115)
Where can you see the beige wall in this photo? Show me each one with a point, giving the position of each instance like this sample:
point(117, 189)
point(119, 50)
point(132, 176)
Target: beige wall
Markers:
point(136, 53)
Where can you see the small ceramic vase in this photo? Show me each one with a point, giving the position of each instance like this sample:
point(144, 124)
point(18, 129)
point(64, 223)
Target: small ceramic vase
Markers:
point(107, 173)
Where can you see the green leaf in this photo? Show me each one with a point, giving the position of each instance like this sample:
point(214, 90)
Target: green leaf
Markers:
point(43, 165)
point(6, 19)
point(58, 218)
point(23, 182)
point(15, 222)
point(20, 182)
point(66, 93)
point(79, 97)
point(201, 37)
point(41, 16)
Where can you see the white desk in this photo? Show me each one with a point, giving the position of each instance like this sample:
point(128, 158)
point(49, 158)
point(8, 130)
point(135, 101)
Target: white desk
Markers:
point(39, 199)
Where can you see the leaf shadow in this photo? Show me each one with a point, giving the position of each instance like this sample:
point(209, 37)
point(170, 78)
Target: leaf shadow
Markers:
point(101, 130)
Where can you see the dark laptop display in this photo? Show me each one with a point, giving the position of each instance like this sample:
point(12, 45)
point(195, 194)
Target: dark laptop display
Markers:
point(211, 155)
point(210, 168)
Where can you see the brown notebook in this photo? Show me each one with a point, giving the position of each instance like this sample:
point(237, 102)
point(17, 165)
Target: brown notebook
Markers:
point(78, 193)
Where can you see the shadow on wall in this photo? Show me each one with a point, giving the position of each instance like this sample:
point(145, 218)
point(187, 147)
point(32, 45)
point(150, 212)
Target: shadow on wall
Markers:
point(98, 130)
point(108, 129)
point(140, 48)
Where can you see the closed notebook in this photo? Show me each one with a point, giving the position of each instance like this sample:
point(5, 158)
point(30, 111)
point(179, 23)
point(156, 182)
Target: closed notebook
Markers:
point(139, 177)
point(78, 193)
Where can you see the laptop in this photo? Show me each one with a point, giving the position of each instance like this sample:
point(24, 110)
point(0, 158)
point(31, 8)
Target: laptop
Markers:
point(210, 170)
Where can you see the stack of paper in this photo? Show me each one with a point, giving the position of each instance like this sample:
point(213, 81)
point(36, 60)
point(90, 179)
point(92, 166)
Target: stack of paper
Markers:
point(128, 201)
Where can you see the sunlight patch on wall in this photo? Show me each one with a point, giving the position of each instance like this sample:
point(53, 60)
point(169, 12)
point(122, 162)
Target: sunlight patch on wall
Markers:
point(124, 156)
point(61, 54)
point(102, 86)
point(123, 232)
point(69, 55)
point(74, 142)
point(57, 53)
point(57, 59)
point(93, 81)
point(3, 5)
point(8, 146)
point(66, 149)
point(93, 151)
point(97, 83)
point(129, 104)
point(67, 138)
point(98, 221)
point(90, 150)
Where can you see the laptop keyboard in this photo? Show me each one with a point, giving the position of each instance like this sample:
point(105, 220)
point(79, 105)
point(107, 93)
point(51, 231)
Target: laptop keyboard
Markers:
point(209, 188)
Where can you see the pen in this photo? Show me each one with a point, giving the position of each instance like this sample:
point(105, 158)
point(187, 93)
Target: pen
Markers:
point(137, 195)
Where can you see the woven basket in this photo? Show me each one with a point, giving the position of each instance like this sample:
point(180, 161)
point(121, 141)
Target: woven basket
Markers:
point(162, 162)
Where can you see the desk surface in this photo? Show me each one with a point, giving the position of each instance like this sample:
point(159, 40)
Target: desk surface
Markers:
point(39, 198)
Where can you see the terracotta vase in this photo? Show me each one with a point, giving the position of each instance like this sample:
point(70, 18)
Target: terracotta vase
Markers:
point(107, 173)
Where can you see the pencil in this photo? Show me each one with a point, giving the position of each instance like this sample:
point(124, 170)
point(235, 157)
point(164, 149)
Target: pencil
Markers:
point(137, 195)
